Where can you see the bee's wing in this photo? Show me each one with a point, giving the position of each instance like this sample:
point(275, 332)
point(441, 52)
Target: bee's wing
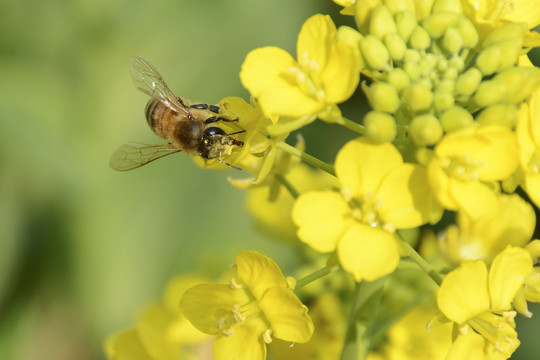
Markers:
point(149, 81)
point(133, 155)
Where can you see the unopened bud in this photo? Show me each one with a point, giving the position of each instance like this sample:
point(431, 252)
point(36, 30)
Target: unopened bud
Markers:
point(374, 52)
point(452, 40)
point(420, 39)
point(382, 97)
point(456, 118)
point(395, 45)
point(380, 126)
point(489, 92)
point(405, 24)
point(436, 24)
point(508, 31)
point(520, 82)
point(499, 114)
point(418, 97)
point(443, 100)
point(398, 78)
point(468, 32)
point(381, 22)
point(425, 130)
point(467, 83)
point(447, 6)
point(488, 60)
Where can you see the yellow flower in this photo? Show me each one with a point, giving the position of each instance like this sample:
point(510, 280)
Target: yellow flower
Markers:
point(480, 304)
point(326, 73)
point(465, 161)
point(482, 239)
point(246, 313)
point(379, 194)
point(162, 332)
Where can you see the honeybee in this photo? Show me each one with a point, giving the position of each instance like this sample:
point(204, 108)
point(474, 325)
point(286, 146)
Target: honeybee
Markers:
point(188, 128)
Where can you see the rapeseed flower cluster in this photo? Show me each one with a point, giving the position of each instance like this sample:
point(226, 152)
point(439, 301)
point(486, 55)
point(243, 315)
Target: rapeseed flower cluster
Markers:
point(426, 218)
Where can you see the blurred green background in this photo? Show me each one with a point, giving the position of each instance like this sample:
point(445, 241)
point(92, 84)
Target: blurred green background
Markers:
point(82, 247)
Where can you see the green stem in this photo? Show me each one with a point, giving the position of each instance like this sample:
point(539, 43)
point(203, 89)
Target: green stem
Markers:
point(351, 125)
point(364, 312)
point(306, 157)
point(312, 277)
point(283, 180)
point(423, 264)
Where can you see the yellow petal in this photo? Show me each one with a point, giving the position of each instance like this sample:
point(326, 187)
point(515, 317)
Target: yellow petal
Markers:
point(532, 186)
point(259, 273)
point(524, 11)
point(314, 41)
point(341, 75)
point(475, 198)
point(507, 274)
point(245, 343)
point(287, 315)
point(464, 292)
point(321, 219)
point(440, 182)
point(467, 347)
point(406, 196)
point(368, 253)
point(361, 165)
point(500, 157)
point(288, 101)
point(152, 326)
point(203, 305)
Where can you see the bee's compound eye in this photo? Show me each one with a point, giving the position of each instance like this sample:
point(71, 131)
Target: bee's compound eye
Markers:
point(212, 131)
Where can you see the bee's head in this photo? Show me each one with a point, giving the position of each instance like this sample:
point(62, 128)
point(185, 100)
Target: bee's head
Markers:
point(216, 142)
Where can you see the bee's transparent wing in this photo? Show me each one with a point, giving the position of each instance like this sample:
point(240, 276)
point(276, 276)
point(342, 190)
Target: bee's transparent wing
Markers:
point(149, 81)
point(133, 155)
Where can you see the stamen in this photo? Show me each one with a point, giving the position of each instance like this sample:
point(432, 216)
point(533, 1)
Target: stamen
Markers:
point(267, 336)
point(237, 313)
point(234, 285)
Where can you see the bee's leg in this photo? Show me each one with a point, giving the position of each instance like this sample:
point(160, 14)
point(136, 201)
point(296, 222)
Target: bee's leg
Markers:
point(212, 108)
point(213, 119)
point(226, 163)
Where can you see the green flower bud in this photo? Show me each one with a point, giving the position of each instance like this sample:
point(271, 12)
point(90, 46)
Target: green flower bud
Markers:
point(451, 74)
point(442, 65)
point(443, 100)
point(468, 32)
point(380, 126)
point(489, 92)
point(499, 114)
point(468, 82)
point(412, 56)
point(420, 39)
point(381, 22)
point(447, 85)
point(395, 45)
point(405, 24)
point(413, 70)
point(457, 63)
point(488, 60)
point(437, 23)
point(447, 6)
point(519, 83)
point(456, 118)
point(425, 130)
point(398, 78)
point(508, 31)
point(418, 97)
point(452, 40)
point(511, 50)
point(374, 52)
point(382, 97)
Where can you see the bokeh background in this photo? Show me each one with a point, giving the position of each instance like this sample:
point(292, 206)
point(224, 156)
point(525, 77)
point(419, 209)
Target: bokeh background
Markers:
point(82, 247)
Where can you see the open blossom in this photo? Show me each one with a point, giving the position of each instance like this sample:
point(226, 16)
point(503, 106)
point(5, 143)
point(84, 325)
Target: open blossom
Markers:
point(245, 314)
point(326, 72)
point(465, 161)
point(480, 304)
point(379, 194)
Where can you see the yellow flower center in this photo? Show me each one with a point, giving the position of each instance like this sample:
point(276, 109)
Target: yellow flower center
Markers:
point(463, 168)
point(366, 211)
point(240, 314)
point(305, 75)
point(498, 330)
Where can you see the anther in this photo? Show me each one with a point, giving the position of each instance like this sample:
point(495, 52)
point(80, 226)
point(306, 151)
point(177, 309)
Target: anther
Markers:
point(267, 336)
point(234, 285)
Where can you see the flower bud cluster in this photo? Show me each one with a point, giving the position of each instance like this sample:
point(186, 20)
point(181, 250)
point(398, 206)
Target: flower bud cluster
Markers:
point(435, 76)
